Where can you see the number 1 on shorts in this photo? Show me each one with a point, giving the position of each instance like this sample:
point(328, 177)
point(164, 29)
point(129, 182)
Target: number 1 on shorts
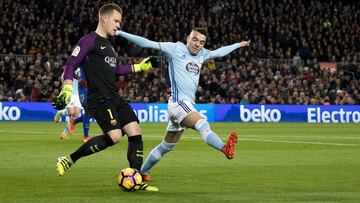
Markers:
point(111, 116)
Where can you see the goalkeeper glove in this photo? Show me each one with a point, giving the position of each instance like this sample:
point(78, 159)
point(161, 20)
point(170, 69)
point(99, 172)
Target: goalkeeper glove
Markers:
point(64, 97)
point(145, 65)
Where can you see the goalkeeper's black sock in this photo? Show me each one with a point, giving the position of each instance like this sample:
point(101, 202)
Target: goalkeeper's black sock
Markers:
point(135, 152)
point(92, 146)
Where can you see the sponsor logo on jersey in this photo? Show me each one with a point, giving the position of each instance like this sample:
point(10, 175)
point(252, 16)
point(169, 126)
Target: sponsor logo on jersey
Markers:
point(76, 51)
point(193, 68)
point(111, 61)
point(113, 122)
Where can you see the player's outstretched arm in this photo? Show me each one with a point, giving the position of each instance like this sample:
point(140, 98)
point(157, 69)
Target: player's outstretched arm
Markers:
point(141, 41)
point(223, 51)
point(82, 48)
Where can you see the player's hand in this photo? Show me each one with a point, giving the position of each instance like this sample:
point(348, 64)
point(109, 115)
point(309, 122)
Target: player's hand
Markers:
point(245, 43)
point(145, 65)
point(64, 97)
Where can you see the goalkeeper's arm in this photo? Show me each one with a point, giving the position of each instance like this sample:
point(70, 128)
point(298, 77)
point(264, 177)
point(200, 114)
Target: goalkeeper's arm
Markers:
point(145, 65)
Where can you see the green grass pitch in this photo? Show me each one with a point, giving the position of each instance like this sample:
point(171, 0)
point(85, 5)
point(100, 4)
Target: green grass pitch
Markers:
point(287, 162)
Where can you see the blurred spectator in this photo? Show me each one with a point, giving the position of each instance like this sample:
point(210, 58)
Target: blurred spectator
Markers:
point(293, 36)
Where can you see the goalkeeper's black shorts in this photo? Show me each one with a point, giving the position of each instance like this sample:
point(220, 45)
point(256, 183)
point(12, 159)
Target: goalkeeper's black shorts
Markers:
point(110, 116)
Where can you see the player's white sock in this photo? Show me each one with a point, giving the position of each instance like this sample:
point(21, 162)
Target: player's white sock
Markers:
point(212, 139)
point(156, 154)
point(64, 112)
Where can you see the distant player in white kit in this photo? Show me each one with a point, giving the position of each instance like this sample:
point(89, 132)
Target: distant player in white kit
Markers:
point(185, 62)
point(72, 110)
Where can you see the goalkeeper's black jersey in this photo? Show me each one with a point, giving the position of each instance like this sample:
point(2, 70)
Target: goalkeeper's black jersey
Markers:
point(96, 56)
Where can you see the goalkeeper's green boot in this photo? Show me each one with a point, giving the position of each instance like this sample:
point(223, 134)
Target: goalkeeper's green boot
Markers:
point(63, 164)
point(57, 117)
point(146, 187)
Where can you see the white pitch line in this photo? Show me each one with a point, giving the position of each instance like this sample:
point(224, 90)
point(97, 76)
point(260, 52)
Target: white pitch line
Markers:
point(244, 139)
point(301, 142)
point(308, 136)
point(241, 135)
point(29, 132)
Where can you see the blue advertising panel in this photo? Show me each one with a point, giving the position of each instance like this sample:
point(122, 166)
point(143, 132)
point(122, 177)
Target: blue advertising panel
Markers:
point(300, 113)
point(26, 111)
point(155, 112)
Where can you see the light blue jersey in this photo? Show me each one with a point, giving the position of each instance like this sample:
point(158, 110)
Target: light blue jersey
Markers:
point(184, 68)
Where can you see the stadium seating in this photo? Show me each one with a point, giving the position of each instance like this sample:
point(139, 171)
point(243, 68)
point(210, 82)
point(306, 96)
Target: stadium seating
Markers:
point(290, 39)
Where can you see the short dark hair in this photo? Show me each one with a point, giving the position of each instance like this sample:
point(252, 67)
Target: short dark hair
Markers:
point(201, 30)
point(107, 8)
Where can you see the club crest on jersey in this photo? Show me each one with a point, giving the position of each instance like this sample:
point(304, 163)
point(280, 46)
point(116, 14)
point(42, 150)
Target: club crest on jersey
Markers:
point(193, 68)
point(76, 51)
point(113, 122)
point(111, 61)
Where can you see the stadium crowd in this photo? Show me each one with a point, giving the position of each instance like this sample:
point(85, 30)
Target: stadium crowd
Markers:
point(289, 39)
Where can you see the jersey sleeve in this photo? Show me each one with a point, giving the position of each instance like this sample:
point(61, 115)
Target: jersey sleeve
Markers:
point(82, 48)
point(123, 69)
point(168, 48)
point(223, 51)
point(141, 41)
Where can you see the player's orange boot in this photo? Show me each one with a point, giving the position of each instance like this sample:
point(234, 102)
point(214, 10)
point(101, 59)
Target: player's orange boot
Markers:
point(146, 177)
point(86, 138)
point(229, 147)
point(71, 126)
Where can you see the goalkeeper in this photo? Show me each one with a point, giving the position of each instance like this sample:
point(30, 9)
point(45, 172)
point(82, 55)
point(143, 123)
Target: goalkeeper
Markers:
point(95, 53)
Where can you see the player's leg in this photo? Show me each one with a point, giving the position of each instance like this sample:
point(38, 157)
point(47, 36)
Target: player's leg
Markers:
point(136, 151)
point(86, 127)
point(60, 113)
point(167, 145)
point(77, 120)
point(173, 134)
point(85, 118)
point(130, 126)
point(76, 112)
point(135, 145)
point(69, 112)
point(197, 122)
point(107, 119)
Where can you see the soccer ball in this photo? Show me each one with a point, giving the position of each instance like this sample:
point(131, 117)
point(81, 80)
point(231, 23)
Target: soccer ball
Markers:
point(129, 179)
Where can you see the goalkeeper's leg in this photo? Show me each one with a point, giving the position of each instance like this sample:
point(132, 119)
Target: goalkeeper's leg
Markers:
point(94, 145)
point(109, 123)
